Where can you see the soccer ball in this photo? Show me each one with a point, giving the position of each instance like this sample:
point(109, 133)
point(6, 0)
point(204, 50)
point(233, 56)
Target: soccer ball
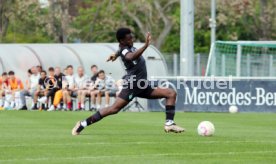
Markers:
point(233, 109)
point(206, 128)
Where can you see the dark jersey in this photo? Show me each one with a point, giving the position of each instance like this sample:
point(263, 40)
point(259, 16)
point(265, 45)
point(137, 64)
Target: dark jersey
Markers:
point(136, 68)
point(42, 83)
point(94, 78)
point(59, 79)
point(47, 83)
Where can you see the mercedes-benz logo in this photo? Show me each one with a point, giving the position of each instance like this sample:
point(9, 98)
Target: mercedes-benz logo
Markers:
point(50, 82)
point(166, 84)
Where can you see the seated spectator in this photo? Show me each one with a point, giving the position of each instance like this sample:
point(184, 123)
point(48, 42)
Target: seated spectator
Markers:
point(31, 88)
point(65, 71)
point(27, 82)
point(58, 76)
point(94, 70)
point(80, 86)
point(93, 90)
point(15, 86)
point(88, 87)
point(41, 88)
point(102, 84)
point(50, 84)
point(110, 89)
point(39, 68)
point(3, 84)
point(56, 92)
point(68, 88)
point(119, 85)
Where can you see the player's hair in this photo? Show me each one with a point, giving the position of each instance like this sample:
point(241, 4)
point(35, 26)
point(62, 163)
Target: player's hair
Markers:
point(51, 69)
point(69, 66)
point(101, 71)
point(43, 71)
point(4, 74)
point(122, 32)
point(39, 66)
point(94, 66)
point(30, 71)
point(11, 73)
point(80, 67)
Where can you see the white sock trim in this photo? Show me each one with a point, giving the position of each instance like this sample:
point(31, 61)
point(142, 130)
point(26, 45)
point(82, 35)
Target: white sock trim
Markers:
point(83, 123)
point(169, 122)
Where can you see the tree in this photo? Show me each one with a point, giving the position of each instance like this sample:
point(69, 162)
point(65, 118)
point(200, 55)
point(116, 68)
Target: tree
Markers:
point(96, 21)
point(22, 21)
point(59, 19)
point(141, 15)
point(5, 12)
point(154, 16)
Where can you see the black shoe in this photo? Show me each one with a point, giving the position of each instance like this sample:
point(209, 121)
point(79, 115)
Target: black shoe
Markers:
point(44, 107)
point(92, 109)
point(23, 108)
point(34, 107)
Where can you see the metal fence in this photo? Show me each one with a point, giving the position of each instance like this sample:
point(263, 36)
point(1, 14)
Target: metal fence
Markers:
point(200, 63)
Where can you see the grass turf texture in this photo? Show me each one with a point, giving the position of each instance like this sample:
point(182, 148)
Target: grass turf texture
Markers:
point(45, 137)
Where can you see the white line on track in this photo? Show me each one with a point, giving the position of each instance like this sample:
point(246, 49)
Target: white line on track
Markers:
point(138, 156)
point(133, 143)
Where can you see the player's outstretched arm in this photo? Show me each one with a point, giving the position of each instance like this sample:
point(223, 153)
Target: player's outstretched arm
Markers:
point(139, 52)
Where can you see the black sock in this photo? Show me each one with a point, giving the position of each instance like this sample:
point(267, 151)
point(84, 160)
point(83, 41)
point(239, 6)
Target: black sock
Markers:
point(170, 110)
point(94, 118)
point(80, 129)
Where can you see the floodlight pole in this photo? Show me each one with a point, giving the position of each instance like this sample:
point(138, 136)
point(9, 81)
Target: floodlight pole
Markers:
point(212, 24)
point(187, 38)
point(213, 21)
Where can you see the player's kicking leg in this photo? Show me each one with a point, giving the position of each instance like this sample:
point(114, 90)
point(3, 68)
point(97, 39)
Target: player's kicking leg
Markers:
point(170, 96)
point(115, 108)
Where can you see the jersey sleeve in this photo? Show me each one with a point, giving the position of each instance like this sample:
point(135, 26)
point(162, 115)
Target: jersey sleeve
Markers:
point(125, 51)
point(40, 82)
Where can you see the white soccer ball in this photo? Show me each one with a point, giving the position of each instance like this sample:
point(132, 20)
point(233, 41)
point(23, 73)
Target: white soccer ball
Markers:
point(233, 109)
point(206, 128)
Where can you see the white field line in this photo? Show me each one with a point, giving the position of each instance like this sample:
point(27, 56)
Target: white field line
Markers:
point(138, 156)
point(132, 143)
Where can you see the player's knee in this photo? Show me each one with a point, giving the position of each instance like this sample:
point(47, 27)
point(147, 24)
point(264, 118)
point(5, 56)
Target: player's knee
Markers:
point(172, 93)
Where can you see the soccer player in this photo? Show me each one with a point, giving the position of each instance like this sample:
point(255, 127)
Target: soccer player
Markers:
point(136, 74)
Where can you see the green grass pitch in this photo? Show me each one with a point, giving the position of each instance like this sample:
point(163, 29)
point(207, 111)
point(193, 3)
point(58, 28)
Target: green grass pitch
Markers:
point(45, 137)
